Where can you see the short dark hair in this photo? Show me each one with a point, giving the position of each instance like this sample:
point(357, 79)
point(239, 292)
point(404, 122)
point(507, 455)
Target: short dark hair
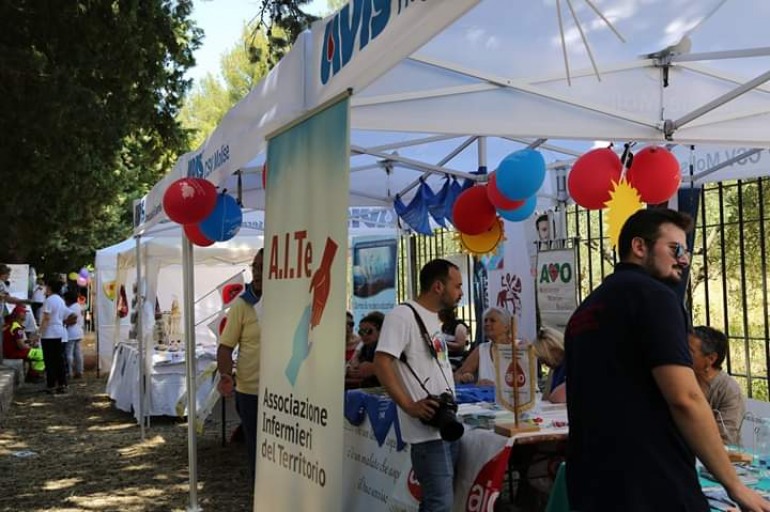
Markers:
point(4, 269)
point(435, 270)
point(646, 224)
point(55, 284)
point(376, 318)
point(712, 341)
point(541, 218)
point(71, 297)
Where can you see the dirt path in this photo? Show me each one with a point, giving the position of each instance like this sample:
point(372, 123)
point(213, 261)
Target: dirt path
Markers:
point(88, 456)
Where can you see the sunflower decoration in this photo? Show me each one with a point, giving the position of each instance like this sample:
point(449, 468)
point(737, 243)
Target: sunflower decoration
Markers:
point(624, 201)
point(484, 243)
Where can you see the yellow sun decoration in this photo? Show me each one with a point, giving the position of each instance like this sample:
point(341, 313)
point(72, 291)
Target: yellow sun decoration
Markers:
point(624, 201)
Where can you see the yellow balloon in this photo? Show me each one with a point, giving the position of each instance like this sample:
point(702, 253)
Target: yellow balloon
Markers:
point(486, 242)
point(73, 276)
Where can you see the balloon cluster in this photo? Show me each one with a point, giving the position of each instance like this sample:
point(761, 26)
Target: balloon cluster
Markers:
point(82, 278)
point(207, 216)
point(653, 173)
point(510, 193)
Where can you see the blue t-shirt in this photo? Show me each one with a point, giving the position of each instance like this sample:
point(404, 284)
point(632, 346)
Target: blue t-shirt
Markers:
point(625, 451)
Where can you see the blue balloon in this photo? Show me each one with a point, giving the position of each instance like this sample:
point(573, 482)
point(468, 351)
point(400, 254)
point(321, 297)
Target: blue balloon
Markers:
point(224, 221)
point(521, 174)
point(521, 213)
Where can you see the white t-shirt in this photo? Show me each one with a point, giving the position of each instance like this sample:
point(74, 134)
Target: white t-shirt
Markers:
point(29, 322)
point(57, 312)
point(38, 294)
point(401, 334)
point(75, 331)
point(486, 365)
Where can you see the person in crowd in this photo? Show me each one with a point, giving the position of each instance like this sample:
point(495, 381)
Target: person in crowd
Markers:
point(479, 367)
point(549, 348)
point(411, 358)
point(709, 349)
point(14, 339)
point(243, 330)
point(351, 340)
point(359, 372)
point(36, 371)
point(30, 325)
point(38, 297)
point(455, 332)
point(52, 333)
point(74, 323)
point(5, 295)
point(637, 416)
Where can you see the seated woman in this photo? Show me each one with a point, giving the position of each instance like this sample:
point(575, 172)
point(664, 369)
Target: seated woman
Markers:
point(479, 366)
point(549, 348)
point(709, 348)
point(14, 340)
point(360, 369)
point(351, 340)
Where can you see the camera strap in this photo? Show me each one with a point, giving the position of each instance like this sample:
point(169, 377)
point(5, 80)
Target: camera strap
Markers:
point(426, 338)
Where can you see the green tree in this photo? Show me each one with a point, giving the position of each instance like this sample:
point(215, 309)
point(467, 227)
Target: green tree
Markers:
point(211, 99)
point(89, 93)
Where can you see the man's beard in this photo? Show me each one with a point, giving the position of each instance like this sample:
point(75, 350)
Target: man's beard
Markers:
point(649, 266)
point(447, 301)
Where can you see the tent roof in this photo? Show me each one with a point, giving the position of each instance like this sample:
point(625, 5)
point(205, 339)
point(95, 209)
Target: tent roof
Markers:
point(448, 86)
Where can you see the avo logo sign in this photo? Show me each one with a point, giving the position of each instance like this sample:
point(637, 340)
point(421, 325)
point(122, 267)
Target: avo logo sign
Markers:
point(413, 485)
point(514, 369)
point(359, 22)
point(552, 272)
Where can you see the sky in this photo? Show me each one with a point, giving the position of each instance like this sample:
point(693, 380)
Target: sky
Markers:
point(221, 21)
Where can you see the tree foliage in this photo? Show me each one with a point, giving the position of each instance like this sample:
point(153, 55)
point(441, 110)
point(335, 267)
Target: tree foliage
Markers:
point(212, 97)
point(89, 92)
point(282, 21)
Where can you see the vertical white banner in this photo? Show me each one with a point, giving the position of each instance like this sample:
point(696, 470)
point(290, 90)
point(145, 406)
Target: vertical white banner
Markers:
point(513, 287)
point(556, 287)
point(300, 414)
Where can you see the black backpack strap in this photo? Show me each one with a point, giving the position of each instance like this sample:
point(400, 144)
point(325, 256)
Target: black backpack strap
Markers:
point(423, 330)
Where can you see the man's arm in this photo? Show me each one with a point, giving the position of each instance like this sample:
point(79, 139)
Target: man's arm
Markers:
point(225, 367)
point(693, 416)
point(423, 409)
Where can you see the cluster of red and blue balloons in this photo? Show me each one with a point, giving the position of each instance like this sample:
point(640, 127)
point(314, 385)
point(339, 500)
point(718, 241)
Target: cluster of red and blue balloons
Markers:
point(206, 216)
point(82, 278)
point(653, 172)
point(510, 192)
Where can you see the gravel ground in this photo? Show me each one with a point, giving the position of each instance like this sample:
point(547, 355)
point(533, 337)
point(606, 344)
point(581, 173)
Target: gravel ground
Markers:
point(76, 452)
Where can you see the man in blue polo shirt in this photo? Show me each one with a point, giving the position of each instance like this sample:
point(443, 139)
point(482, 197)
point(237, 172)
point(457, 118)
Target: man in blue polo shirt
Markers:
point(637, 415)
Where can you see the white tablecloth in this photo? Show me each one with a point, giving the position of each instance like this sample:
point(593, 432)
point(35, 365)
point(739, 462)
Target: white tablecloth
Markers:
point(166, 379)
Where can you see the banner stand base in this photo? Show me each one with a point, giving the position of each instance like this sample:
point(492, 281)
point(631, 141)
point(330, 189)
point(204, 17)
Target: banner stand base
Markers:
point(511, 429)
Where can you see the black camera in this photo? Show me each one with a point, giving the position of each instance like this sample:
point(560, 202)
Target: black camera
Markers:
point(445, 418)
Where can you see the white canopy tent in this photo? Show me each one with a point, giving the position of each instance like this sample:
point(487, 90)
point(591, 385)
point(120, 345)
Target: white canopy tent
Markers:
point(441, 88)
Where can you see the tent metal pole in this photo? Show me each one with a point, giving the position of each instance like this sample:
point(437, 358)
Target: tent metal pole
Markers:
point(139, 334)
point(718, 102)
point(482, 147)
point(188, 279)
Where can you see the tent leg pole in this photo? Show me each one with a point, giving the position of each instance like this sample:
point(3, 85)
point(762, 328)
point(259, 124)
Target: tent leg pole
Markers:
point(188, 278)
point(139, 336)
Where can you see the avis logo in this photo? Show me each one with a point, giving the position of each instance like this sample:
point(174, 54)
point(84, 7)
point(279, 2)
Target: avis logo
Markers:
point(195, 166)
point(413, 485)
point(553, 271)
point(486, 487)
point(366, 21)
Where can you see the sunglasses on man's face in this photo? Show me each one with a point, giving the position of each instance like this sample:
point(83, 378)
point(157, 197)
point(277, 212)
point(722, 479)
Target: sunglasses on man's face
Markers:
point(365, 331)
point(680, 251)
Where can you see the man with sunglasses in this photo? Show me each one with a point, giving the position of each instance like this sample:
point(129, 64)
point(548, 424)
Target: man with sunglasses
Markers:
point(636, 412)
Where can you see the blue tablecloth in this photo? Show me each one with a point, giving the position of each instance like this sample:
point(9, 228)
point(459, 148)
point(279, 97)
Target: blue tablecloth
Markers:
point(381, 410)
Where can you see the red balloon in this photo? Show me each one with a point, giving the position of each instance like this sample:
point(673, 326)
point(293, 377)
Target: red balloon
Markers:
point(655, 174)
point(497, 198)
point(193, 233)
point(189, 200)
point(591, 178)
point(472, 212)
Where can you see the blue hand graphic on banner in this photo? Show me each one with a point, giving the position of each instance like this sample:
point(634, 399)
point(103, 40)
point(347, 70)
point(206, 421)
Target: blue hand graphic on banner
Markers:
point(300, 347)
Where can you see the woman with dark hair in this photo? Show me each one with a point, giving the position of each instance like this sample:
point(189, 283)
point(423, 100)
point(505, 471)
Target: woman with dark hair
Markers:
point(709, 349)
point(52, 331)
point(360, 370)
point(455, 332)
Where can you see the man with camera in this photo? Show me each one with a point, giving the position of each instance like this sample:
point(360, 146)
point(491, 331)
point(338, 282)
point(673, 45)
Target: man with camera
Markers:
point(412, 362)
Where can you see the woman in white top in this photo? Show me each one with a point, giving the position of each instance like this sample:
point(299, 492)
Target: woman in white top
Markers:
point(51, 333)
point(479, 367)
point(74, 324)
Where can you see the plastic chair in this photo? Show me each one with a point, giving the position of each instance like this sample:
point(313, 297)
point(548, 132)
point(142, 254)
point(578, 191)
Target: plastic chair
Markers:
point(558, 500)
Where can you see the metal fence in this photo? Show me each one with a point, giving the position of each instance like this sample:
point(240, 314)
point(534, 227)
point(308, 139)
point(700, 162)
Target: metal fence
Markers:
point(728, 287)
